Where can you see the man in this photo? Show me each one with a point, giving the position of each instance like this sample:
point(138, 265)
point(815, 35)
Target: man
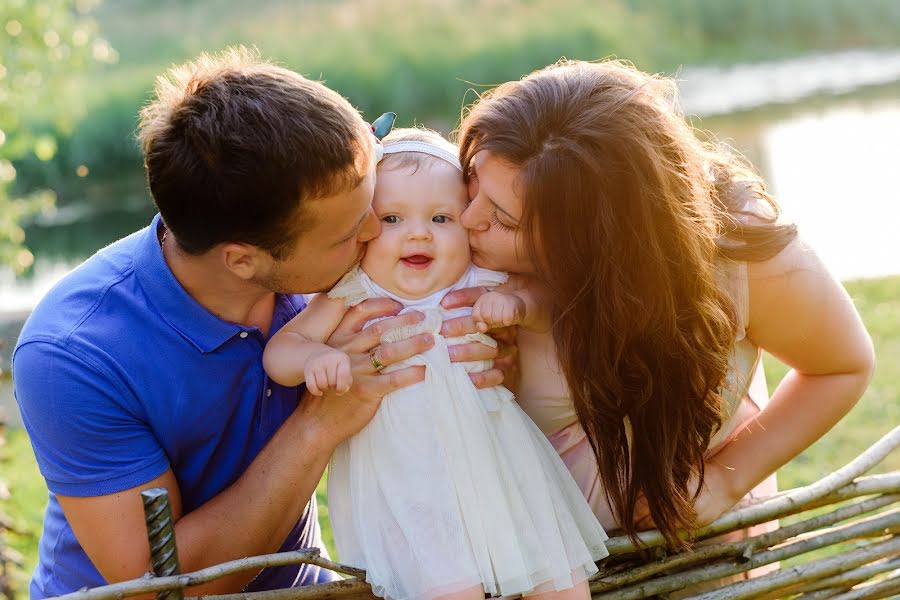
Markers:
point(143, 368)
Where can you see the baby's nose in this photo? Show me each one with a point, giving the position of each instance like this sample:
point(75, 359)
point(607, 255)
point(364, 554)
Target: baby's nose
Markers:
point(419, 231)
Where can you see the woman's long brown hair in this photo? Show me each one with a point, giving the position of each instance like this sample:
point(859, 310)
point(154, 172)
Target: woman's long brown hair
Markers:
point(635, 212)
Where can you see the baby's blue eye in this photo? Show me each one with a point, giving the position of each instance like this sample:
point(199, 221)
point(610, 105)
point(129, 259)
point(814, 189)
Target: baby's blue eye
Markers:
point(440, 219)
point(391, 219)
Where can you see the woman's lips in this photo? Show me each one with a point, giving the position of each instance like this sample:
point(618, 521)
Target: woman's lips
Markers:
point(417, 261)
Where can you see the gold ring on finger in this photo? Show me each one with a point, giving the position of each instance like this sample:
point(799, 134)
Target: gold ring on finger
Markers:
point(376, 364)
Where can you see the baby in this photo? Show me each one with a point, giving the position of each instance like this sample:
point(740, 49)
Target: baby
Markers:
point(450, 491)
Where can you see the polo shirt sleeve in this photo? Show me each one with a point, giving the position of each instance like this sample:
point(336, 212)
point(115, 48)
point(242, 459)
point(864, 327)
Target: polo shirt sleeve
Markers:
point(87, 432)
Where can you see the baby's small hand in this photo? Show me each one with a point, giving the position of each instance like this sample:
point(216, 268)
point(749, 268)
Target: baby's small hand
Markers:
point(496, 309)
point(328, 370)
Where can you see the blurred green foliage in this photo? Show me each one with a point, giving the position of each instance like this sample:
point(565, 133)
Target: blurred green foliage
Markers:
point(421, 58)
point(43, 46)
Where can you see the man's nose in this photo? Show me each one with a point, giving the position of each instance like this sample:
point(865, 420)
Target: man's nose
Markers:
point(371, 227)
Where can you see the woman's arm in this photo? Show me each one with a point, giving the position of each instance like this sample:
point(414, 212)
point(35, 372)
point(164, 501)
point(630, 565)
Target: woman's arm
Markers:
point(303, 338)
point(800, 314)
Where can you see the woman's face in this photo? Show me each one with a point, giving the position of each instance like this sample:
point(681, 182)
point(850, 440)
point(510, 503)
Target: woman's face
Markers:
point(494, 215)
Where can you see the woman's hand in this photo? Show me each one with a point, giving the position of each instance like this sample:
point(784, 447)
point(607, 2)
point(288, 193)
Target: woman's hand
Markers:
point(717, 498)
point(505, 356)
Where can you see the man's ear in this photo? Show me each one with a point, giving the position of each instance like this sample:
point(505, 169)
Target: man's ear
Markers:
point(244, 260)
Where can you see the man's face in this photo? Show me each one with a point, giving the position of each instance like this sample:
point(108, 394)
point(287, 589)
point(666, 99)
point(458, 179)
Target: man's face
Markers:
point(342, 224)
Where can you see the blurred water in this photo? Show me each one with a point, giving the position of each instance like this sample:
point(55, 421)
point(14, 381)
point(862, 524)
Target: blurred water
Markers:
point(710, 91)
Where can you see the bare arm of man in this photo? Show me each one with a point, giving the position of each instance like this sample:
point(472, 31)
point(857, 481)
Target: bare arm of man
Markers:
point(255, 514)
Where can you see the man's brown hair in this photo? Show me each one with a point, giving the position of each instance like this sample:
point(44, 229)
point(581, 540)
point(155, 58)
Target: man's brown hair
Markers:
point(234, 146)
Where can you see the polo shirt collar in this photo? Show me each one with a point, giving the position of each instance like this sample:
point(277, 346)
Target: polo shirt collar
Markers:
point(179, 309)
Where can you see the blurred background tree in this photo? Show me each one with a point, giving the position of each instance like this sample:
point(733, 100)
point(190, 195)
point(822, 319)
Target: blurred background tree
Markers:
point(44, 47)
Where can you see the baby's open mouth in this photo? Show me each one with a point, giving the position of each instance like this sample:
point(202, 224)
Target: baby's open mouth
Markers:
point(417, 261)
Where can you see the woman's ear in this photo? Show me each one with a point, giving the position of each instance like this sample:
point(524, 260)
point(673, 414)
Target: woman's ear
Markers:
point(244, 260)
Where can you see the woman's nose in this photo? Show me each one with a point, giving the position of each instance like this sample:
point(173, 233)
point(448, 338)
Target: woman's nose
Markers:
point(475, 217)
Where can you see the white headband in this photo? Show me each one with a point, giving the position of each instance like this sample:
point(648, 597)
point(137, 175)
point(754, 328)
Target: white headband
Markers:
point(424, 148)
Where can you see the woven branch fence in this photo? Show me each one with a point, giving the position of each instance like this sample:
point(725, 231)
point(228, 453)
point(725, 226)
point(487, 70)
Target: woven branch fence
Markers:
point(855, 517)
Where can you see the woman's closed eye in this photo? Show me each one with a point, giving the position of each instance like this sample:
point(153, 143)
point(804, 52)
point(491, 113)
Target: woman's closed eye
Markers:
point(495, 221)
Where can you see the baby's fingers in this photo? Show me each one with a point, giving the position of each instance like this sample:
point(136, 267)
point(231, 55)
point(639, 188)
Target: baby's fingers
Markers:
point(312, 385)
point(344, 378)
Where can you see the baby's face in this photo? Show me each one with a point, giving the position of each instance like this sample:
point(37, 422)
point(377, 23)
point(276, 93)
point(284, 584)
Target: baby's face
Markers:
point(422, 247)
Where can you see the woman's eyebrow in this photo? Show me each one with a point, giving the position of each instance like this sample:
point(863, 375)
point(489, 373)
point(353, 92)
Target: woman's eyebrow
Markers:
point(500, 209)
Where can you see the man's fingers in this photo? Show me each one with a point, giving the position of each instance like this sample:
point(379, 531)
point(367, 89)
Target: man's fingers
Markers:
point(365, 311)
point(370, 337)
point(395, 380)
point(471, 352)
point(486, 379)
point(389, 354)
point(463, 297)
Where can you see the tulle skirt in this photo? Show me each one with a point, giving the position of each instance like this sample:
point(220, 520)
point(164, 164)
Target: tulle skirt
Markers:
point(449, 487)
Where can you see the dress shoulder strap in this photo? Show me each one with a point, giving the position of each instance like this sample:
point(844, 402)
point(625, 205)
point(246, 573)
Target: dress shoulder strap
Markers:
point(489, 278)
point(351, 288)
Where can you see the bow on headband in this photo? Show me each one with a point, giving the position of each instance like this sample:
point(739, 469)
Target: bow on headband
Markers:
point(383, 125)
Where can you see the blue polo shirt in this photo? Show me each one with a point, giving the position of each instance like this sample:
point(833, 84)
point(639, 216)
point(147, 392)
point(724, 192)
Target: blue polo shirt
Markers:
point(120, 374)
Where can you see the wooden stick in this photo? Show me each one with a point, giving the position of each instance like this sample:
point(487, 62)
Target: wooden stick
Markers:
point(812, 570)
point(775, 507)
point(737, 548)
point(882, 589)
point(726, 568)
point(848, 579)
point(157, 584)
point(345, 589)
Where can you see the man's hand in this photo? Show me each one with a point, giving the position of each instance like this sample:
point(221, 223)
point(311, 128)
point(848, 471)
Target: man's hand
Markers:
point(505, 356)
point(334, 417)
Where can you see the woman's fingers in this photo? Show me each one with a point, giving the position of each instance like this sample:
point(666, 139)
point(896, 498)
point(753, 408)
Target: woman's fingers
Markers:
point(486, 379)
point(459, 326)
point(463, 297)
point(471, 352)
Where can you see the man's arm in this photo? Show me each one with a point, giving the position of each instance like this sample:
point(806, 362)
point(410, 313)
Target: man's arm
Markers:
point(255, 514)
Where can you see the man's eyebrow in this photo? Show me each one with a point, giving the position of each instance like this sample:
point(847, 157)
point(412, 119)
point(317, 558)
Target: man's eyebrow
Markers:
point(356, 227)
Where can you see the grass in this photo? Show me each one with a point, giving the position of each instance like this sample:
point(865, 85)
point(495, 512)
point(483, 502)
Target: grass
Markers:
point(878, 301)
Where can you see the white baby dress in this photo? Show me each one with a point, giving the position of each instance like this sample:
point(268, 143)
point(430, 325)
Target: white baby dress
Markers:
point(448, 486)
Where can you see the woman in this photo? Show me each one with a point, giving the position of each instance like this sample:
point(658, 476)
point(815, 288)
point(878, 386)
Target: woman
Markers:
point(666, 272)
